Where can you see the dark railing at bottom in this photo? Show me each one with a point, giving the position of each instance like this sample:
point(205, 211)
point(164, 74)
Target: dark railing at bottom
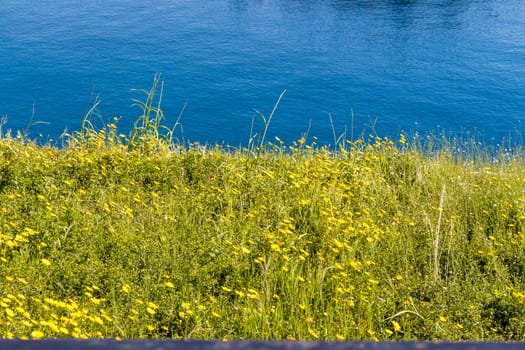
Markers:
point(94, 344)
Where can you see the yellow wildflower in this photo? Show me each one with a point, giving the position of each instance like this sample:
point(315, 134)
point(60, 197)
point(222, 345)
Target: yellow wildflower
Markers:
point(36, 334)
point(169, 285)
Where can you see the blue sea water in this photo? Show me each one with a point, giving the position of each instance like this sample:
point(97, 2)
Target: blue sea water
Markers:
point(399, 65)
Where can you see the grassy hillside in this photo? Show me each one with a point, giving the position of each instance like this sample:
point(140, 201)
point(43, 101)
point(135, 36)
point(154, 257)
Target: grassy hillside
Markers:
point(112, 236)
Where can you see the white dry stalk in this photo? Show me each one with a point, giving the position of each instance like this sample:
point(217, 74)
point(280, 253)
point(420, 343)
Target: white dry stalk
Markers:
point(436, 236)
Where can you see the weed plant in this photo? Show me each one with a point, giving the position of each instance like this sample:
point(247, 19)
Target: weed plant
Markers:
point(143, 236)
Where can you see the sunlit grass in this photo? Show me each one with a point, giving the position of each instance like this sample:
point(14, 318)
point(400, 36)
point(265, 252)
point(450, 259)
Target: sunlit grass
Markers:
point(141, 236)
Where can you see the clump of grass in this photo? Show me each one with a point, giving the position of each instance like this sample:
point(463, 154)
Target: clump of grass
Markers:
point(139, 236)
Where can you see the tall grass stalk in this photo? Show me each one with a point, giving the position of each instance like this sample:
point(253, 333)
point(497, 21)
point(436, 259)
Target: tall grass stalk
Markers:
point(436, 231)
point(267, 120)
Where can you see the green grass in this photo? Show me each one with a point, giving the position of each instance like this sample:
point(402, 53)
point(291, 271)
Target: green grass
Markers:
point(144, 236)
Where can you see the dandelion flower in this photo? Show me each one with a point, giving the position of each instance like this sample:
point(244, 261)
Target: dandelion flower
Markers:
point(397, 327)
point(126, 288)
point(9, 312)
point(36, 334)
point(169, 285)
